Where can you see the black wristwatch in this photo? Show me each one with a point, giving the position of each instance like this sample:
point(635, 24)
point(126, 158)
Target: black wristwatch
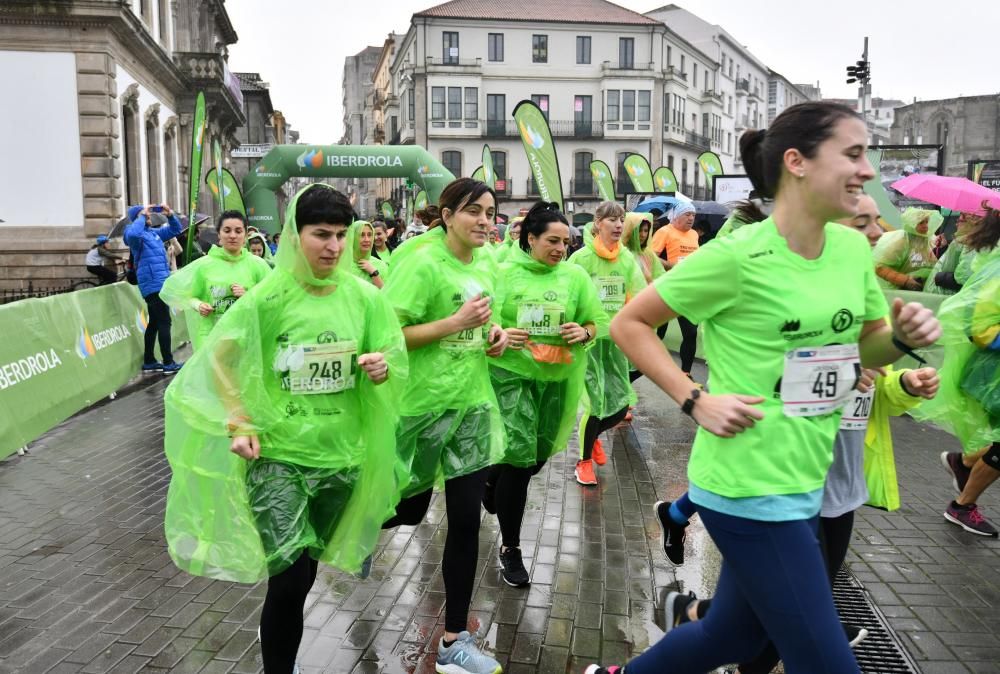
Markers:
point(373, 274)
point(687, 407)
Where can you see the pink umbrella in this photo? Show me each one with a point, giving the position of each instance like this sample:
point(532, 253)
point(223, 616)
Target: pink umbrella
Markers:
point(958, 194)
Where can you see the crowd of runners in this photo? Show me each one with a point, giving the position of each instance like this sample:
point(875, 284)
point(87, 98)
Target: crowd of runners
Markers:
point(329, 397)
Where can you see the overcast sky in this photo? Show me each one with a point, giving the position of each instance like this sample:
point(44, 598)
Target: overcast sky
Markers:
point(926, 49)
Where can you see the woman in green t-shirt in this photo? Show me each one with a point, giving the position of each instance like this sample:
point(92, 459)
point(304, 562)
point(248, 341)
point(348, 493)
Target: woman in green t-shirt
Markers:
point(450, 431)
point(791, 309)
point(550, 311)
point(279, 431)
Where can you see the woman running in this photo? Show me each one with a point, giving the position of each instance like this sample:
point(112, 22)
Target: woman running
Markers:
point(789, 315)
point(551, 311)
point(450, 432)
point(616, 275)
point(366, 265)
point(304, 376)
point(210, 285)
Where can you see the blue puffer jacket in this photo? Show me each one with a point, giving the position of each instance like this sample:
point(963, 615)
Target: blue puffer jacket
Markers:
point(146, 245)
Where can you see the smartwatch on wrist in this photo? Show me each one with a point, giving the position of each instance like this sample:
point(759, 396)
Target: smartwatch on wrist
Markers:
point(687, 407)
point(373, 274)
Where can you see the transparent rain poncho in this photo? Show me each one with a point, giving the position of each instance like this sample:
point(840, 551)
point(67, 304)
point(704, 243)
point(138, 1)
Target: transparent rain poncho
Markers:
point(507, 245)
point(268, 255)
point(415, 243)
point(968, 402)
point(450, 425)
point(539, 387)
point(209, 279)
point(907, 252)
point(618, 279)
point(649, 263)
point(282, 364)
point(380, 265)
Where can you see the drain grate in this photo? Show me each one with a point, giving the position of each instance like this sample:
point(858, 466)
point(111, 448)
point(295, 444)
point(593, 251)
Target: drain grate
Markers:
point(881, 652)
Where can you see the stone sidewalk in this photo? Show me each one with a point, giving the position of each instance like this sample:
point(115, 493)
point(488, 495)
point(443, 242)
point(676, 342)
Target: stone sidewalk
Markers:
point(86, 584)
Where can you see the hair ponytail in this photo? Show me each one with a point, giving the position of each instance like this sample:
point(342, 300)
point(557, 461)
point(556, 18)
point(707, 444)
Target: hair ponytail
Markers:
point(751, 150)
point(537, 220)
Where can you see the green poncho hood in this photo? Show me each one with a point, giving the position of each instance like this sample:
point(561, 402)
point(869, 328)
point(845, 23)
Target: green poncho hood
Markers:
point(914, 216)
point(268, 255)
point(290, 258)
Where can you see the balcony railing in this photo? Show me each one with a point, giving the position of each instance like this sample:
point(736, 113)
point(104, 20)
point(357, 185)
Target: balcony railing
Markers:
point(500, 128)
point(582, 187)
point(698, 141)
point(742, 86)
point(676, 73)
point(210, 73)
point(507, 128)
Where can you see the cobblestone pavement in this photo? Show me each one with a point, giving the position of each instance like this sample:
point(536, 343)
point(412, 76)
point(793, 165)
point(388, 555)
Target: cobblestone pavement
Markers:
point(86, 584)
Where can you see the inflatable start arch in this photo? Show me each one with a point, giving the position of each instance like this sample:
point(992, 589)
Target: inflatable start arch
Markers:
point(336, 161)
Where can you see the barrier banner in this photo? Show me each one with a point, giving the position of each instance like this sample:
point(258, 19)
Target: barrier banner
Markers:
point(71, 350)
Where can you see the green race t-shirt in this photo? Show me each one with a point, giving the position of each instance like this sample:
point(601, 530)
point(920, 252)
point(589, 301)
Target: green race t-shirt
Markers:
point(761, 305)
point(427, 285)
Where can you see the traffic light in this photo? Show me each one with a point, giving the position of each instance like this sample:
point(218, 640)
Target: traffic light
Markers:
point(860, 72)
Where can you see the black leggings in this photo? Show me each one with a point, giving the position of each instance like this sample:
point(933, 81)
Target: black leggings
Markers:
point(510, 486)
point(281, 618)
point(463, 500)
point(834, 539)
point(689, 341)
point(597, 426)
point(157, 327)
point(106, 275)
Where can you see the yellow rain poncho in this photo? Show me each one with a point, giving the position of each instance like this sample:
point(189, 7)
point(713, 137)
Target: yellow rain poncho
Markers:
point(540, 386)
point(906, 254)
point(283, 364)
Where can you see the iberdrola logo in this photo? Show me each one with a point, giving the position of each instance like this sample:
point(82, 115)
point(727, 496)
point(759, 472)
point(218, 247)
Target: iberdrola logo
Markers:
point(530, 136)
point(85, 346)
point(599, 173)
point(310, 159)
point(708, 168)
point(201, 136)
point(663, 182)
point(213, 185)
point(634, 170)
point(423, 170)
point(140, 320)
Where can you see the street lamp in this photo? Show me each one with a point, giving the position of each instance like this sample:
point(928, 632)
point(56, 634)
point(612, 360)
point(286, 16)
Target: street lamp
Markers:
point(861, 72)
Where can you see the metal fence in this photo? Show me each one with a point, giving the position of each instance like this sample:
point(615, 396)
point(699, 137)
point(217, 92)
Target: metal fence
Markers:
point(8, 295)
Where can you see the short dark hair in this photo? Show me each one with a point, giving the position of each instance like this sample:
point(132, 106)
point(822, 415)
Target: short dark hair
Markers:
point(322, 204)
point(230, 215)
point(379, 223)
point(538, 219)
point(460, 192)
point(803, 127)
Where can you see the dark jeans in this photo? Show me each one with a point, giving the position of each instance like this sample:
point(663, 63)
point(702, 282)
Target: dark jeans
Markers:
point(791, 603)
point(463, 503)
point(158, 326)
point(106, 275)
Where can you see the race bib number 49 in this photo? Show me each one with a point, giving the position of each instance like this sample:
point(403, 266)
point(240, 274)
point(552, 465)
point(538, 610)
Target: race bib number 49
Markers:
point(323, 368)
point(540, 319)
point(818, 380)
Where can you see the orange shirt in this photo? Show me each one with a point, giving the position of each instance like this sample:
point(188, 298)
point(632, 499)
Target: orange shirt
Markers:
point(678, 244)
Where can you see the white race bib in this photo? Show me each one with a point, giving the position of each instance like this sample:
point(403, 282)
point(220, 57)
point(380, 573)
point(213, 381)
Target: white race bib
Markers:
point(322, 368)
point(466, 340)
point(540, 318)
point(611, 291)
point(818, 380)
point(857, 411)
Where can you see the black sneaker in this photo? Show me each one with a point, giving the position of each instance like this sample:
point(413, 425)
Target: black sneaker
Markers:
point(672, 535)
point(952, 462)
point(490, 498)
point(675, 608)
point(512, 568)
point(855, 634)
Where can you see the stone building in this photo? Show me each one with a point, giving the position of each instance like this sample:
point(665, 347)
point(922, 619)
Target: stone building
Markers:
point(967, 127)
point(359, 123)
point(101, 93)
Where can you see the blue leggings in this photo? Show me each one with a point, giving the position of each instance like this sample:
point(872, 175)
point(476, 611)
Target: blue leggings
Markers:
point(773, 584)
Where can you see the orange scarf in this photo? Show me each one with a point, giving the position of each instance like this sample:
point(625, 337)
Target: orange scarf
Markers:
point(607, 253)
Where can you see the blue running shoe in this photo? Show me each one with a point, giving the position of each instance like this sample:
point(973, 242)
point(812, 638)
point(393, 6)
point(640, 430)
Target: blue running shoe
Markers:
point(172, 368)
point(152, 367)
point(462, 657)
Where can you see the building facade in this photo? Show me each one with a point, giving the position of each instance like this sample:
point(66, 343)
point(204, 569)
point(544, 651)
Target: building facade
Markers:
point(782, 94)
point(967, 127)
point(359, 122)
point(102, 94)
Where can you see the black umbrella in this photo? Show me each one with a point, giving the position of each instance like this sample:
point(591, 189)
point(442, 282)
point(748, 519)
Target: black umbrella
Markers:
point(711, 208)
point(155, 220)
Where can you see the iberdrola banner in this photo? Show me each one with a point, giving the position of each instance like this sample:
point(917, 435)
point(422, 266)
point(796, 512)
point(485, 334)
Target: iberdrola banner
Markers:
point(537, 141)
point(197, 140)
point(232, 198)
point(217, 155)
point(639, 172)
point(479, 174)
point(602, 178)
point(876, 190)
point(489, 175)
point(711, 166)
point(387, 212)
point(664, 180)
point(420, 201)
